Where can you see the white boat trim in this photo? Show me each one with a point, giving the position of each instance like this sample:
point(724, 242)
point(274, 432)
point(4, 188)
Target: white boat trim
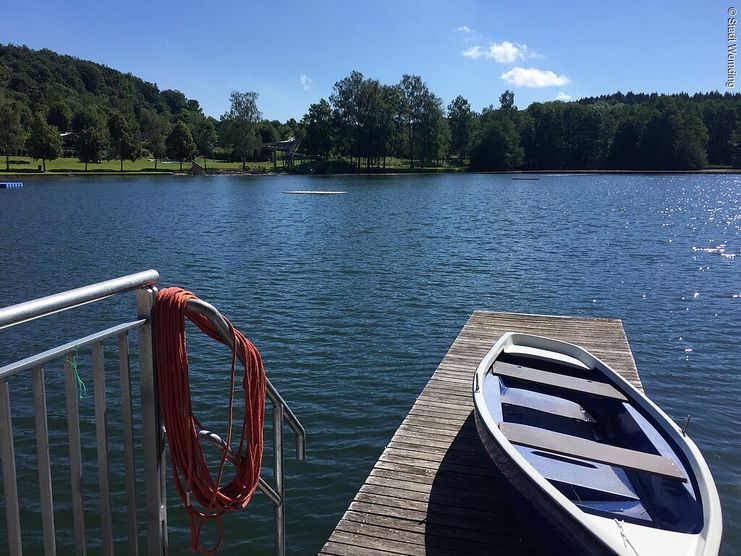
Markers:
point(546, 355)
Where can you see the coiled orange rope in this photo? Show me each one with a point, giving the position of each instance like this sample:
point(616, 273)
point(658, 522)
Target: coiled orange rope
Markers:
point(192, 477)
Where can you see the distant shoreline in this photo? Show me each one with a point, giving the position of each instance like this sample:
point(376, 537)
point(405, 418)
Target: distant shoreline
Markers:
point(20, 176)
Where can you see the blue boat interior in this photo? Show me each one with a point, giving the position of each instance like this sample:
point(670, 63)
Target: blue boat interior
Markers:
point(599, 450)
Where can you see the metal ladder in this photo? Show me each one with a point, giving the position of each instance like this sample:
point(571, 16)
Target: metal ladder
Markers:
point(144, 283)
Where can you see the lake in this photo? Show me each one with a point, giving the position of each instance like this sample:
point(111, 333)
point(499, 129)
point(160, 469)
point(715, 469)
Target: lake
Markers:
point(354, 299)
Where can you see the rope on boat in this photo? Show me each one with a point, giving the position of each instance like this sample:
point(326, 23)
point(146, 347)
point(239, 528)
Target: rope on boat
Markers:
point(626, 540)
point(192, 477)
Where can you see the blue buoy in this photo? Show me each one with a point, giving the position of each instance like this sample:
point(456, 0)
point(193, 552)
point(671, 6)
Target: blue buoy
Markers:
point(10, 184)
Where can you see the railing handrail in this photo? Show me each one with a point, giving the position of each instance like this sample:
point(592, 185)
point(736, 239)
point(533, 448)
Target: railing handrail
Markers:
point(60, 351)
point(43, 306)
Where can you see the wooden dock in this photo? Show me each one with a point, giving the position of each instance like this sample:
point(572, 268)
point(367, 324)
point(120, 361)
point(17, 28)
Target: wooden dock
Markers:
point(432, 491)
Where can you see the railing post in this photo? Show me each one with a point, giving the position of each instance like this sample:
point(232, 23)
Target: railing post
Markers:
point(42, 453)
point(75, 453)
point(280, 509)
point(10, 486)
point(127, 421)
point(152, 432)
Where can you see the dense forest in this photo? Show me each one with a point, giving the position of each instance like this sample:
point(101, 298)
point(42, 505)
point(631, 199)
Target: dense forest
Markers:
point(105, 113)
point(51, 103)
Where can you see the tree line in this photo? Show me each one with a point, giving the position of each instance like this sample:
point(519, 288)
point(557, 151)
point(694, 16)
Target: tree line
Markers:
point(104, 113)
point(48, 101)
point(369, 121)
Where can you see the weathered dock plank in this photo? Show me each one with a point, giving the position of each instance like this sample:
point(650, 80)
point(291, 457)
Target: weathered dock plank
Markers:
point(432, 490)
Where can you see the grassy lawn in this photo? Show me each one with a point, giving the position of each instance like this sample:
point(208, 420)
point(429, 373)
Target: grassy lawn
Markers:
point(23, 164)
point(26, 165)
point(343, 165)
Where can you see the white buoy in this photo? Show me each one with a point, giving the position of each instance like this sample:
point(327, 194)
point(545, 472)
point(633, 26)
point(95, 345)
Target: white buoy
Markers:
point(315, 192)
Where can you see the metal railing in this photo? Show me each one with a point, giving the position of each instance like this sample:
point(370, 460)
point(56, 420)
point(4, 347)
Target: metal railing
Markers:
point(152, 448)
point(281, 412)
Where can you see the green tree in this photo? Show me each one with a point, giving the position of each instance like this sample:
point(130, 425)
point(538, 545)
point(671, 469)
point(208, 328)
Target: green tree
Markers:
point(588, 134)
point(674, 138)
point(158, 148)
point(434, 134)
point(345, 100)
point(624, 150)
point(124, 143)
point(91, 76)
point(547, 150)
point(734, 145)
point(85, 118)
point(294, 129)
point(59, 115)
point(423, 117)
point(414, 90)
point(460, 120)
point(721, 120)
point(44, 142)
point(4, 75)
point(318, 123)
point(154, 130)
point(12, 134)
point(267, 130)
point(393, 120)
point(204, 136)
point(507, 101)
point(180, 143)
point(175, 100)
point(364, 118)
point(239, 125)
point(372, 121)
point(90, 144)
point(499, 147)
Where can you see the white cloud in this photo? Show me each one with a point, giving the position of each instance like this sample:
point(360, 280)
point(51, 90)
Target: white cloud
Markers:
point(532, 77)
point(474, 52)
point(306, 81)
point(467, 33)
point(504, 52)
point(563, 96)
point(507, 52)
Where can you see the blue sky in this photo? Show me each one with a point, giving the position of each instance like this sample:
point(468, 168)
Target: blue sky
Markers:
point(292, 53)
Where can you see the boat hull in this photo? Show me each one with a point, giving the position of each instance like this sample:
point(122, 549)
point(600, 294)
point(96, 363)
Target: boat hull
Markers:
point(555, 531)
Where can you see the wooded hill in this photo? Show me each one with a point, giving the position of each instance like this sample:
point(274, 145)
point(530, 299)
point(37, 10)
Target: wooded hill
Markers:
point(119, 116)
point(44, 79)
point(109, 113)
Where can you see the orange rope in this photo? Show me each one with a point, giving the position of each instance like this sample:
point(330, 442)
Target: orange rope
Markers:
point(190, 472)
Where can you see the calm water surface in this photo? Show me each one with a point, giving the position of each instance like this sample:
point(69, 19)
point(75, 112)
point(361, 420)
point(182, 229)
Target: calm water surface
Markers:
point(354, 299)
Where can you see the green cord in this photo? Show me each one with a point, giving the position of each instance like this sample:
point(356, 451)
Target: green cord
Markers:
point(72, 360)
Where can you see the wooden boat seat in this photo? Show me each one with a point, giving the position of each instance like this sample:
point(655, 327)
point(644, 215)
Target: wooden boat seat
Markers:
point(574, 446)
point(552, 405)
point(556, 380)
